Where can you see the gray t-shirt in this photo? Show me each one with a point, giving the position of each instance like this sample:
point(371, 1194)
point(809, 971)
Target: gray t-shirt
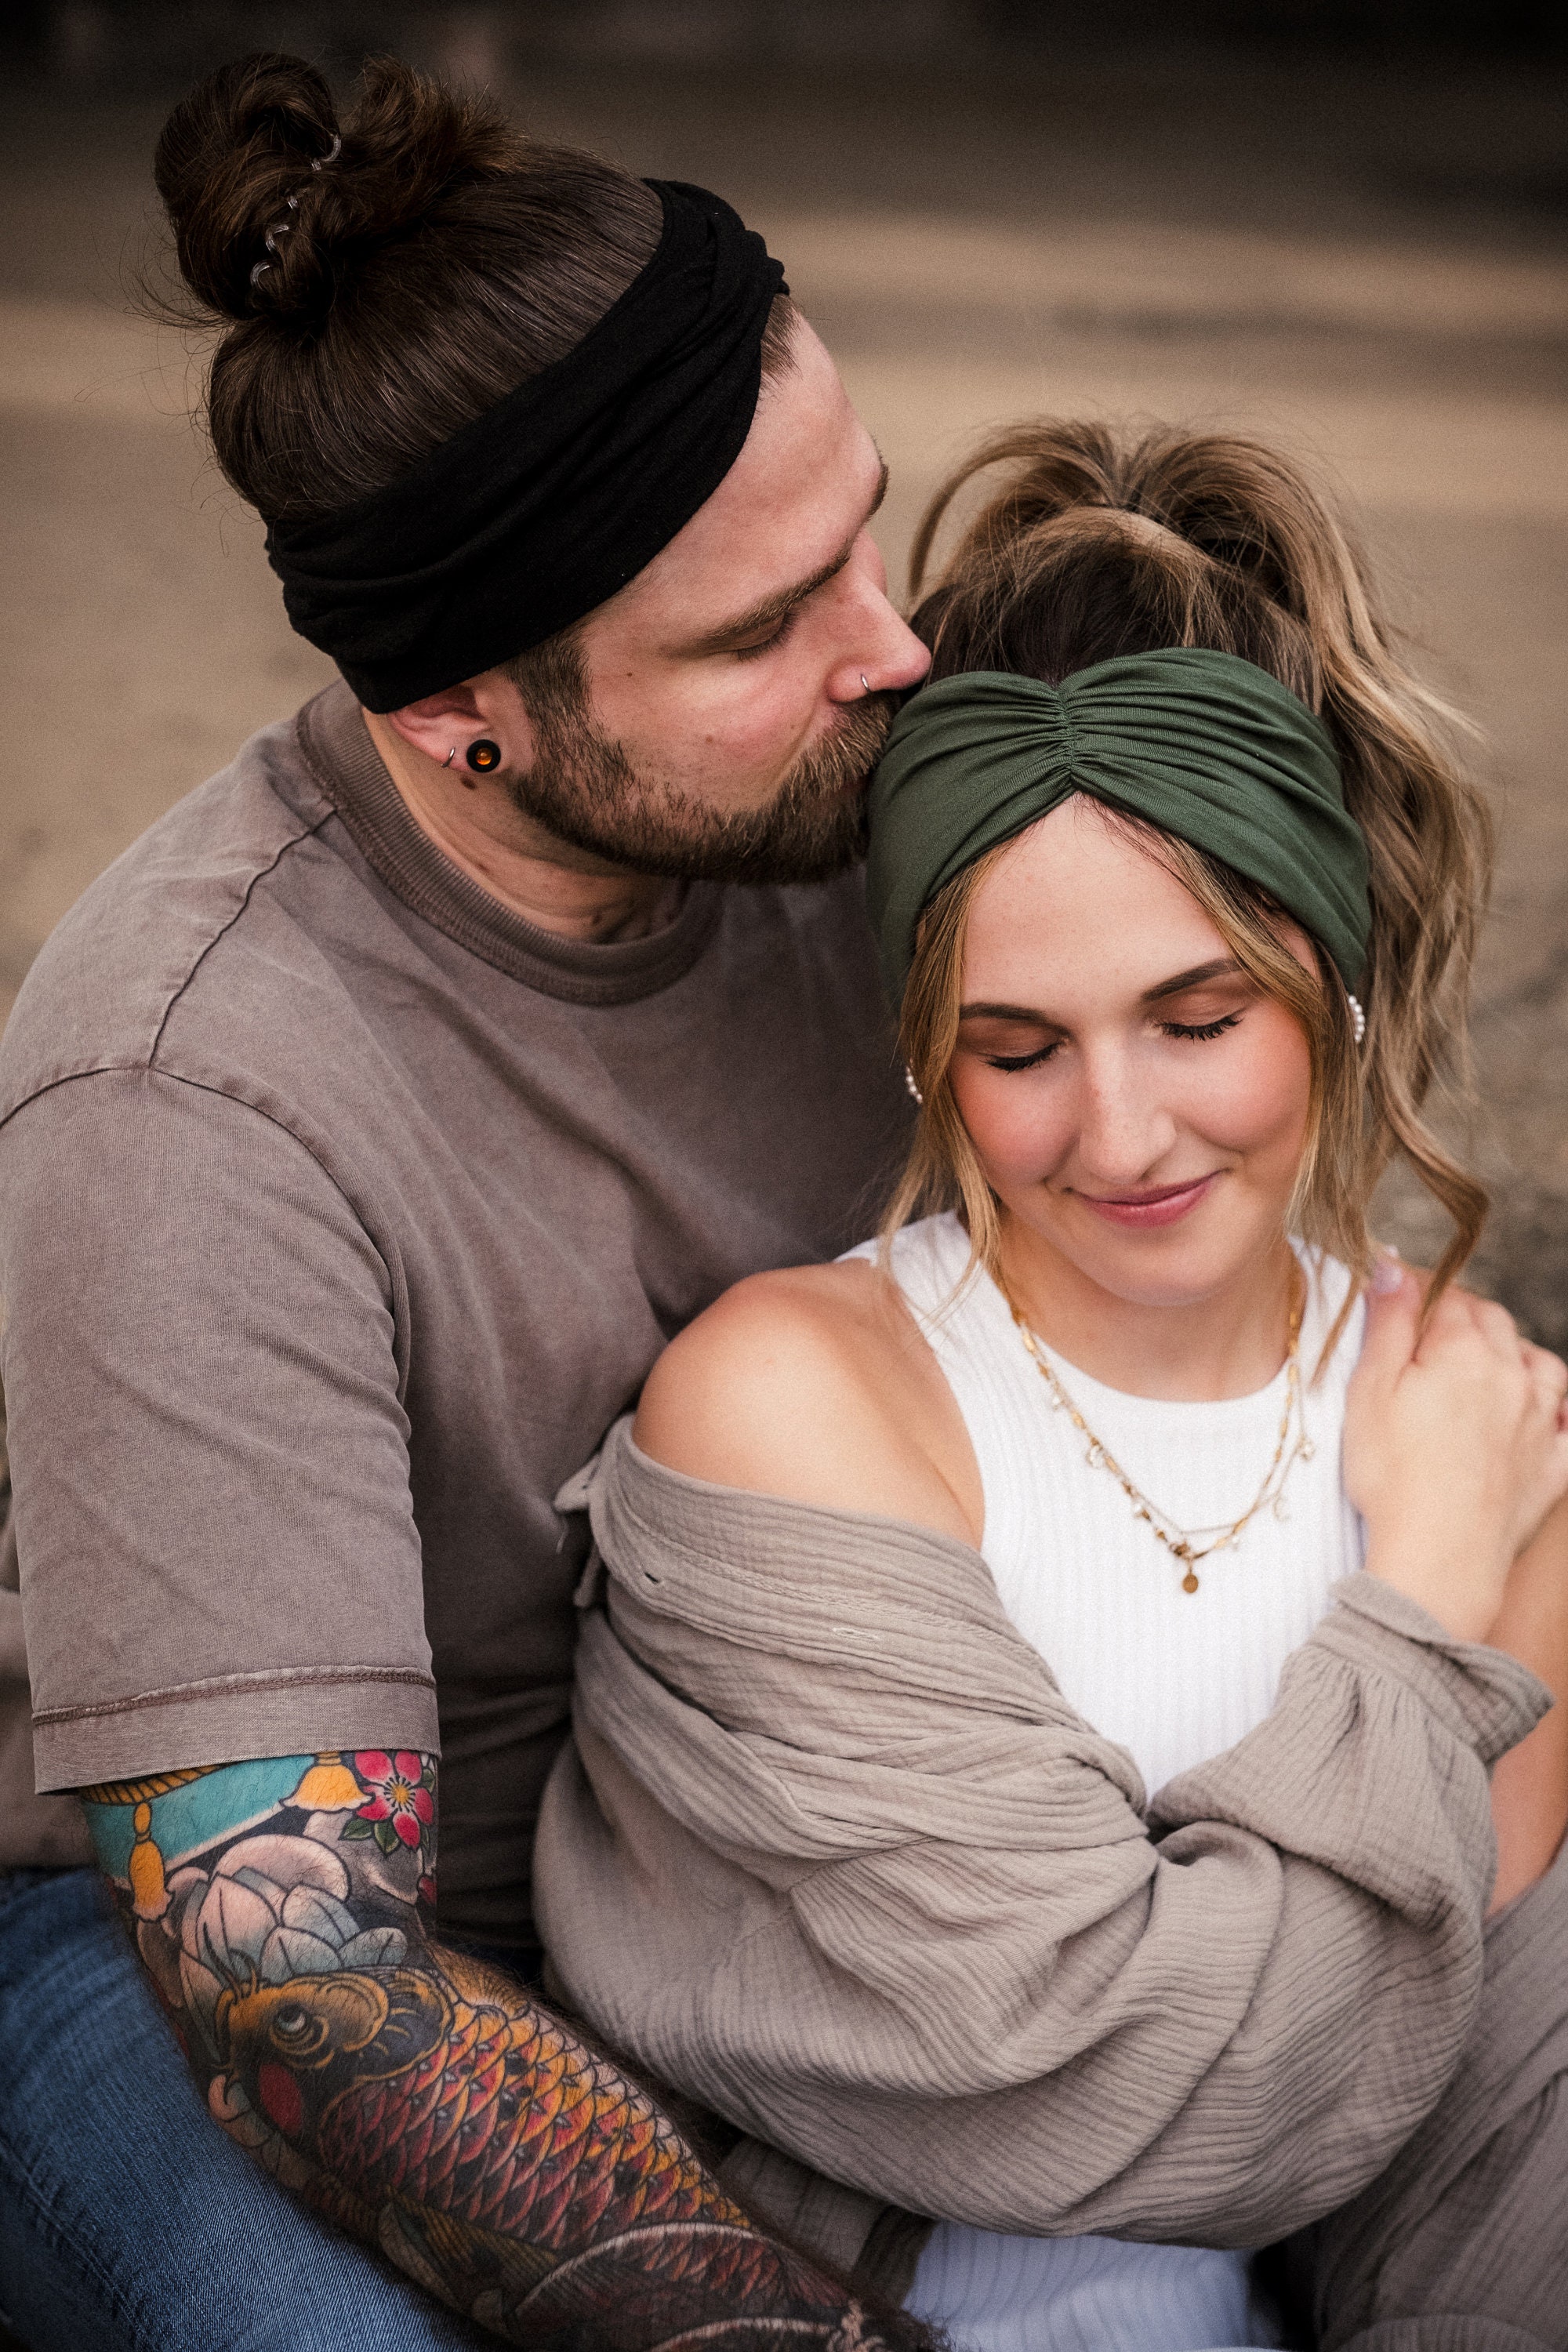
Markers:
point(341, 1211)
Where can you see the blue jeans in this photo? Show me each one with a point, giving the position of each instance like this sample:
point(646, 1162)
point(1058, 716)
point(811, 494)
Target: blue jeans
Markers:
point(127, 2218)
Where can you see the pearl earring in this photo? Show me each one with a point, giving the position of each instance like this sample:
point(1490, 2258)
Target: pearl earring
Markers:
point(1358, 1018)
point(909, 1082)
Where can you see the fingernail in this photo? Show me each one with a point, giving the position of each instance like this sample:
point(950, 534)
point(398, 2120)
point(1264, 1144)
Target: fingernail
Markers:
point(1387, 1274)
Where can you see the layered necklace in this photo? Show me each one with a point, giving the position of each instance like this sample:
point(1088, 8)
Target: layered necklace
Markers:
point(1186, 1544)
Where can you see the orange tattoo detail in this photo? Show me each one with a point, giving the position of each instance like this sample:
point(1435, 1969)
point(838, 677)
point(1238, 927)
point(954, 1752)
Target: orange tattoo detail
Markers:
point(544, 2189)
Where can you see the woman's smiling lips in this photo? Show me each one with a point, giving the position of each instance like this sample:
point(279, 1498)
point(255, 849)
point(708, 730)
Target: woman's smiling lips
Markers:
point(1162, 1204)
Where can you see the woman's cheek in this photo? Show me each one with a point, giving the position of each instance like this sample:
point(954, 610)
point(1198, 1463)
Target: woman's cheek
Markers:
point(1016, 1128)
point(1248, 1102)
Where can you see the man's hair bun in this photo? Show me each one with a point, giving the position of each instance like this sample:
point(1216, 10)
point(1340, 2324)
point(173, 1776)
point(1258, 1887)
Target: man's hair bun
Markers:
point(425, 259)
point(231, 156)
point(257, 150)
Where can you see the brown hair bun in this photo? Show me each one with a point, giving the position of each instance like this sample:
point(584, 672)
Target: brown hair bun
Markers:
point(435, 262)
point(230, 157)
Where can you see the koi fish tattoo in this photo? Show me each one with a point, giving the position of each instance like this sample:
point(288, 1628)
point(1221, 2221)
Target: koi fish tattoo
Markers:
point(419, 2098)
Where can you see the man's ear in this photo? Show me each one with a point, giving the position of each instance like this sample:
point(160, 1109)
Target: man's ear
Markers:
point(439, 723)
point(446, 723)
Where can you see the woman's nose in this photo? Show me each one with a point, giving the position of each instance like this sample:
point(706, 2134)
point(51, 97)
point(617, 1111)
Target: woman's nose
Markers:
point(1124, 1129)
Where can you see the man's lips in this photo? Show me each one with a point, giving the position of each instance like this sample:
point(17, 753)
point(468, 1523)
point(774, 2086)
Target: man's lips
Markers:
point(1160, 1204)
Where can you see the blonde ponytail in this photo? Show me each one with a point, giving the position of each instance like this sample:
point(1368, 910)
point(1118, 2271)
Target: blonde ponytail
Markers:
point(1099, 544)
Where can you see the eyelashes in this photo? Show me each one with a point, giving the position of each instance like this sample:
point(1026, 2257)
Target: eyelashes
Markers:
point(1201, 1029)
point(1020, 1061)
point(1196, 1033)
point(767, 645)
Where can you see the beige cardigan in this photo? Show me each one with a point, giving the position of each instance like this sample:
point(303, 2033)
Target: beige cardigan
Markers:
point(831, 1854)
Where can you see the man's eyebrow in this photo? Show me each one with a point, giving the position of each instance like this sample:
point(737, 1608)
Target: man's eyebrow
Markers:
point(1222, 968)
point(775, 610)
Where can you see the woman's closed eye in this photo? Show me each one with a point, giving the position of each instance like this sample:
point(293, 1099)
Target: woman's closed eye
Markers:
point(1024, 1061)
point(1200, 1029)
point(1189, 1032)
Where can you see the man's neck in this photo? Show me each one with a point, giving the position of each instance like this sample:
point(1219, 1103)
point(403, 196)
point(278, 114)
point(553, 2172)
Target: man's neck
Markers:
point(557, 887)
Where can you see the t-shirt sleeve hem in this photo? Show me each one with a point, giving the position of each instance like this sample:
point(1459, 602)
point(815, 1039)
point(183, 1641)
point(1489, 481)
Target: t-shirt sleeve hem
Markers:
point(232, 1718)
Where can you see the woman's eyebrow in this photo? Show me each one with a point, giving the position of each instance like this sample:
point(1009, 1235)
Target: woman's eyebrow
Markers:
point(1222, 968)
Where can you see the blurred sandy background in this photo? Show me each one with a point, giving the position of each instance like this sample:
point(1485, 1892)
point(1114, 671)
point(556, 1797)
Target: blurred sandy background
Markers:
point(1346, 229)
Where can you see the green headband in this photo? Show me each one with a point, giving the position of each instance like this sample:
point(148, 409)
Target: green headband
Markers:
point(1203, 745)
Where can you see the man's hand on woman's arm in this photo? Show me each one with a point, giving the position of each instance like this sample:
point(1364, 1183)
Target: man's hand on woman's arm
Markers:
point(418, 2097)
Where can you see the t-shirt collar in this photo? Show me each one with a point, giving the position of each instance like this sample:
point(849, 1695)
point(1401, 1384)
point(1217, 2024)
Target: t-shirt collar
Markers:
point(336, 746)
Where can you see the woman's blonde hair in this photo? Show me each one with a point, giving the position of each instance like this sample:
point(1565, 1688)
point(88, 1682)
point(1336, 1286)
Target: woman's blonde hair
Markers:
point(1098, 544)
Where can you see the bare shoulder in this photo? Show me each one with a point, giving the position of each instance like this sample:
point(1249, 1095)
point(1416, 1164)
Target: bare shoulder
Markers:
point(814, 1383)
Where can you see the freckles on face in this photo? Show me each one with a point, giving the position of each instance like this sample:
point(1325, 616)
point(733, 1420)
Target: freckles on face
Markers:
point(1134, 1097)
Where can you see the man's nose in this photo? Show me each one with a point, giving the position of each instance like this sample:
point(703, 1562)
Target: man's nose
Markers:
point(902, 662)
point(885, 657)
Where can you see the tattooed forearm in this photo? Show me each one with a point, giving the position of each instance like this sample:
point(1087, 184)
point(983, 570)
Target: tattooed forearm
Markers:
point(420, 2098)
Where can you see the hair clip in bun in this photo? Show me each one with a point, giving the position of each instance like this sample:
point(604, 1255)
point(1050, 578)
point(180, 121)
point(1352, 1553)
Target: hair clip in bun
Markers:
point(285, 226)
point(280, 228)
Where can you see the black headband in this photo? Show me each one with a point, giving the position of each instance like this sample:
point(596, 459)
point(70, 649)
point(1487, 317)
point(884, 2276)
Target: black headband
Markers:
point(549, 502)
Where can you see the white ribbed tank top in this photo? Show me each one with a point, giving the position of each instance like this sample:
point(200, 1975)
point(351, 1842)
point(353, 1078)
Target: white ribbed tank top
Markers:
point(1174, 1676)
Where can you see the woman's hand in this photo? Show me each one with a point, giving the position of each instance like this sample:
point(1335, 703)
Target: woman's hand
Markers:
point(1455, 1449)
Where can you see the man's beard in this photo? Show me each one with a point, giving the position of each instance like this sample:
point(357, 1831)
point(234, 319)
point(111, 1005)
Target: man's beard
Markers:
point(585, 789)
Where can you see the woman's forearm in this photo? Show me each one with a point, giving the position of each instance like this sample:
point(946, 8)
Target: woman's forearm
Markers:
point(1529, 1784)
point(1530, 1807)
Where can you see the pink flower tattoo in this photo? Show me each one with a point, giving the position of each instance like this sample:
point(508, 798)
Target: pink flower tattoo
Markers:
point(399, 1810)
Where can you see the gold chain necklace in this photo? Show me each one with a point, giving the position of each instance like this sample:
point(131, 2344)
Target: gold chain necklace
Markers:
point(1178, 1540)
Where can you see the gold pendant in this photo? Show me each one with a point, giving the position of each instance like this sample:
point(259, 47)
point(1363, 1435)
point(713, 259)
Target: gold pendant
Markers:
point(1190, 1581)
